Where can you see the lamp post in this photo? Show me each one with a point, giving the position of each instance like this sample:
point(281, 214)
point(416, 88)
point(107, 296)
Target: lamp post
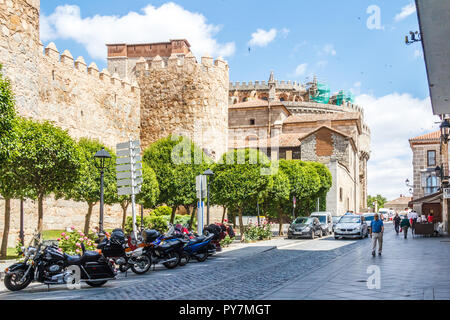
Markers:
point(102, 160)
point(208, 173)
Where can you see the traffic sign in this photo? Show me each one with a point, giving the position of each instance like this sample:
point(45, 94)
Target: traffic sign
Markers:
point(129, 182)
point(200, 185)
point(127, 167)
point(128, 190)
point(128, 152)
point(129, 160)
point(126, 145)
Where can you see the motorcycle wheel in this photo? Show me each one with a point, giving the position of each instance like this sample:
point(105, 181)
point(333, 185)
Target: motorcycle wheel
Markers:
point(184, 259)
point(173, 264)
point(201, 257)
point(96, 284)
point(13, 283)
point(142, 265)
point(124, 268)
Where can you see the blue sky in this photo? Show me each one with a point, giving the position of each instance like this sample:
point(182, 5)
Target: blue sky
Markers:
point(294, 38)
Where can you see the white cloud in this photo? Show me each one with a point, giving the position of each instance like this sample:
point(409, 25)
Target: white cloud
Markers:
point(261, 38)
point(152, 24)
point(301, 69)
point(328, 49)
point(393, 120)
point(406, 12)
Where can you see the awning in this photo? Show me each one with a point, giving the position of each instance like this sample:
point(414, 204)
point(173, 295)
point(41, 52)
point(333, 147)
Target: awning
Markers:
point(431, 198)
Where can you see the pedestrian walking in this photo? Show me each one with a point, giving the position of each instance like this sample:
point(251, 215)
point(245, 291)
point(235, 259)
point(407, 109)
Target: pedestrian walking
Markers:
point(397, 221)
point(376, 233)
point(404, 224)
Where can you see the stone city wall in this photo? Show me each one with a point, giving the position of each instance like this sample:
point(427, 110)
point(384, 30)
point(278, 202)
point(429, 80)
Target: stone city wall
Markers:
point(183, 96)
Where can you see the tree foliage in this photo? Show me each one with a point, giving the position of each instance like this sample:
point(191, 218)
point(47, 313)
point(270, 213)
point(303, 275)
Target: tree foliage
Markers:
point(48, 160)
point(176, 161)
point(379, 198)
point(7, 116)
point(240, 178)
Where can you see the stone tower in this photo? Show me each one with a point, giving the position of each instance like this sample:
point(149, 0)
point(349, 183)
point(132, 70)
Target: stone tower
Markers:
point(178, 95)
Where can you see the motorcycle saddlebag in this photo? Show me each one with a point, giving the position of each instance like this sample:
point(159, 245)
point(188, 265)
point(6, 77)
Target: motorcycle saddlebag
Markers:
point(169, 245)
point(150, 235)
point(97, 270)
point(111, 250)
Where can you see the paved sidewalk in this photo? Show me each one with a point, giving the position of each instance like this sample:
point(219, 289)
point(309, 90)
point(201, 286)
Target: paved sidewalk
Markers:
point(415, 268)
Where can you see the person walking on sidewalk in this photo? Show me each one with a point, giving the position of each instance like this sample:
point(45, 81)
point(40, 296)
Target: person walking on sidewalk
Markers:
point(397, 221)
point(405, 226)
point(376, 233)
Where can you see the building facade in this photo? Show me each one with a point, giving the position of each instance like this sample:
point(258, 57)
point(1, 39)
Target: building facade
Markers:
point(427, 155)
point(276, 119)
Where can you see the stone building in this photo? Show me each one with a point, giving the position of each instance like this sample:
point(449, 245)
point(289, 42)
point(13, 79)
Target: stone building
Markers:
point(427, 155)
point(284, 126)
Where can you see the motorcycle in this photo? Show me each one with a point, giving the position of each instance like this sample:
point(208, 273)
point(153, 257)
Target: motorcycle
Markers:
point(165, 249)
point(125, 255)
point(44, 263)
point(199, 248)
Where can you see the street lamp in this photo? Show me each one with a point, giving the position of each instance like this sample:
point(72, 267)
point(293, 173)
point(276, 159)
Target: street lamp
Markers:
point(407, 184)
point(445, 130)
point(208, 173)
point(102, 160)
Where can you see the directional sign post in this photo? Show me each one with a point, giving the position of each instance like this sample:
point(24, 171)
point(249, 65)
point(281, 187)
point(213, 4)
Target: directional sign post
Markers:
point(129, 173)
point(201, 194)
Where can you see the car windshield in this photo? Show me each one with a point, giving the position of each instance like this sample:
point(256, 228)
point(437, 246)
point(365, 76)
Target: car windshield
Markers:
point(350, 219)
point(322, 219)
point(303, 220)
point(336, 219)
point(369, 218)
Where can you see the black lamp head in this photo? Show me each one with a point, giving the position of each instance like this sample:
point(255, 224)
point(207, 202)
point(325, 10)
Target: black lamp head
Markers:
point(101, 157)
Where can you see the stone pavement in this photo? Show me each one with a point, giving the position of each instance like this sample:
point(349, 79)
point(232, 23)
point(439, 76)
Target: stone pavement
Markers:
point(415, 268)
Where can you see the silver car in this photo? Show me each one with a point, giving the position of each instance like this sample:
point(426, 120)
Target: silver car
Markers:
point(351, 226)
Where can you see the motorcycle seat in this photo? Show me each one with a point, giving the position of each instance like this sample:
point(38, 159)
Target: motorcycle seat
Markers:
point(90, 256)
point(198, 239)
point(73, 260)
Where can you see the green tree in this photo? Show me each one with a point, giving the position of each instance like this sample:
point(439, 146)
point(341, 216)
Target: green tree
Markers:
point(7, 116)
point(48, 161)
point(379, 198)
point(324, 186)
point(176, 162)
point(240, 177)
point(87, 188)
point(277, 198)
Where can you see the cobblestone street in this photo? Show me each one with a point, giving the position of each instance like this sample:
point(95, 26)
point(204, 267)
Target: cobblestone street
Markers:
point(285, 269)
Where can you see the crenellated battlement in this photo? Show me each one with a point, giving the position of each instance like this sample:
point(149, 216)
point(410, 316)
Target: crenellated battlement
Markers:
point(263, 85)
point(79, 65)
point(179, 62)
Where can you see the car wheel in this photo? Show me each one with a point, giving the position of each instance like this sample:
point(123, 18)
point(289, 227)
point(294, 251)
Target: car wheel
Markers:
point(289, 237)
point(336, 237)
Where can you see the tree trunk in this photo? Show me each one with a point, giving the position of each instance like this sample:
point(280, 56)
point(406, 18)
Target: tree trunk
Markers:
point(241, 225)
point(280, 221)
point(193, 212)
point(172, 216)
point(234, 218)
point(224, 212)
point(40, 213)
point(124, 206)
point(3, 251)
point(87, 220)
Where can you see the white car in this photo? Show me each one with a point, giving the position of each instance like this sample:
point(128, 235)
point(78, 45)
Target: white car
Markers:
point(352, 226)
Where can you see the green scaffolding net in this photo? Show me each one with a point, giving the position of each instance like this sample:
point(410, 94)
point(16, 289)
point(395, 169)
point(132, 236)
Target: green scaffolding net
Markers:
point(321, 94)
point(346, 96)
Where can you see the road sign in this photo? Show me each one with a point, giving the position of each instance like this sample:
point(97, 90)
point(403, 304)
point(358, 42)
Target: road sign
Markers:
point(129, 182)
point(200, 185)
point(126, 145)
point(128, 160)
point(129, 173)
point(128, 190)
point(446, 192)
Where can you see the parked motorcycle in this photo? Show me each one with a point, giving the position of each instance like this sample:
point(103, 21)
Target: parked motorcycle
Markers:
point(125, 255)
point(44, 263)
point(199, 248)
point(165, 249)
